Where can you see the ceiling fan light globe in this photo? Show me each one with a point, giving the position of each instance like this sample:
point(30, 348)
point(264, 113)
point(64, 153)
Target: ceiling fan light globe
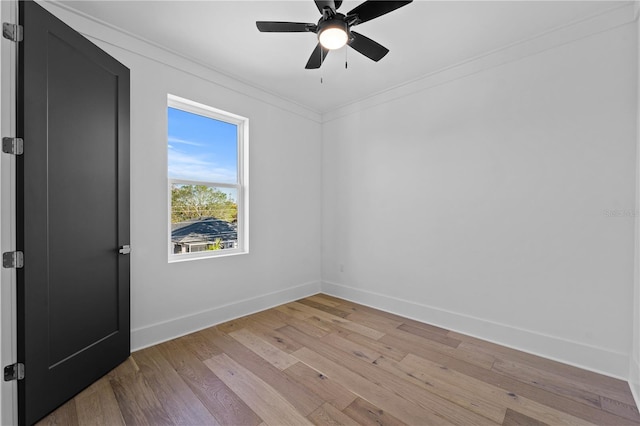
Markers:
point(333, 38)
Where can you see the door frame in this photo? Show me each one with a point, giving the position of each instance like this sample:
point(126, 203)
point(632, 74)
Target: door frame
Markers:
point(8, 84)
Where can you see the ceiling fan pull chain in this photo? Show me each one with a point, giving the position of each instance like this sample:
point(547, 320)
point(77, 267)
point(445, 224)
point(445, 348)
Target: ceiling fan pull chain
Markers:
point(346, 66)
point(321, 69)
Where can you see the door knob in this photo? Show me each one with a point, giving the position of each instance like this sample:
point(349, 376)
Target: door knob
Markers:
point(125, 249)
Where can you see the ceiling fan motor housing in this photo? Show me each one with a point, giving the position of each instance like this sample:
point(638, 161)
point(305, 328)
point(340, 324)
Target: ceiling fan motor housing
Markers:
point(337, 22)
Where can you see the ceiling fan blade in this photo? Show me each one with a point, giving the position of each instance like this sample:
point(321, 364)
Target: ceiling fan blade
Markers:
point(321, 4)
point(371, 9)
point(285, 27)
point(368, 47)
point(317, 57)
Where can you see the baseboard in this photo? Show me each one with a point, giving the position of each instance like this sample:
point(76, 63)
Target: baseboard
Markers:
point(587, 357)
point(161, 332)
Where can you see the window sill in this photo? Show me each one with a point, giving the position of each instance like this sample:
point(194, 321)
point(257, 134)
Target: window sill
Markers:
point(199, 256)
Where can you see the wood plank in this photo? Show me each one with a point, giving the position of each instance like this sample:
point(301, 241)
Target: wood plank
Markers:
point(267, 351)
point(379, 323)
point(277, 314)
point(579, 387)
point(271, 406)
point(221, 401)
point(124, 369)
point(301, 324)
point(324, 300)
point(477, 392)
point(456, 391)
point(372, 392)
point(521, 392)
point(366, 413)
point(270, 319)
point(328, 390)
point(137, 401)
point(344, 329)
point(299, 396)
point(176, 397)
point(332, 319)
point(427, 327)
point(357, 308)
point(293, 311)
point(351, 347)
point(546, 381)
point(327, 414)
point(620, 408)
point(199, 345)
point(513, 418)
point(97, 405)
point(65, 415)
point(410, 392)
point(331, 299)
point(427, 334)
point(328, 309)
point(324, 325)
point(310, 326)
point(387, 351)
point(233, 325)
point(273, 336)
point(615, 388)
point(409, 342)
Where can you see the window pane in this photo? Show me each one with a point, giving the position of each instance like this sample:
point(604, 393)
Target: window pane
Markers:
point(203, 218)
point(202, 148)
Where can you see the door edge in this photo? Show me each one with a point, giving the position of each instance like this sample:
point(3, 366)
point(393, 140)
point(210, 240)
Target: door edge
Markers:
point(8, 346)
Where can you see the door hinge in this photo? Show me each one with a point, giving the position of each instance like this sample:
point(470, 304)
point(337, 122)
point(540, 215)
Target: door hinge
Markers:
point(14, 372)
point(13, 146)
point(12, 259)
point(12, 32)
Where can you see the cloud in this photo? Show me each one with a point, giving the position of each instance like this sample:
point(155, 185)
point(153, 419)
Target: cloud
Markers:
point(192, 167)
point(183, 141)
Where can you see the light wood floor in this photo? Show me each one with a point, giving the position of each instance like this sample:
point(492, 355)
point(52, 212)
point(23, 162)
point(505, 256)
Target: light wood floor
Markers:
point(327, 361)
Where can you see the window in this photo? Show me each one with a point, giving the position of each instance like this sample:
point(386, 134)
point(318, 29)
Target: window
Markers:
point(207, 170)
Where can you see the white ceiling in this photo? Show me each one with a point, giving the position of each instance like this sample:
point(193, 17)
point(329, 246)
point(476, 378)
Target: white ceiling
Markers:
point(423, 37)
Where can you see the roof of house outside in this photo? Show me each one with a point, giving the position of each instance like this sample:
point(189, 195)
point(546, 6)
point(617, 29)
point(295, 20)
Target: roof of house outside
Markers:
point(206, 229)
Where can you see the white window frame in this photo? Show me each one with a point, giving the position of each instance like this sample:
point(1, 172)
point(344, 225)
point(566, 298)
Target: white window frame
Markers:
point(242, 189)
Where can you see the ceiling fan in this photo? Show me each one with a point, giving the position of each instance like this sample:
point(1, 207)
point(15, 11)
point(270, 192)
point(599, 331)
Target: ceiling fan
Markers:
point(334, 28)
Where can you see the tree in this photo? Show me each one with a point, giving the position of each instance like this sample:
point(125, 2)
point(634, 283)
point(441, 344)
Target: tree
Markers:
point(217, 245)
point(194, 202)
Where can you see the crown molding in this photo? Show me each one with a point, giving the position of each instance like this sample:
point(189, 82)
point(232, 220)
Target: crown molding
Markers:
point(103, 32)
point(567, 33)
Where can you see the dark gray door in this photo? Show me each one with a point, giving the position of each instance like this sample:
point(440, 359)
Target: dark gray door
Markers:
point(73, 213)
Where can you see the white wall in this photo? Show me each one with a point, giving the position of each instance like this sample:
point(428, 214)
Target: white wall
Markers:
point(483, 202)
point(170, 299)
point(634, 364)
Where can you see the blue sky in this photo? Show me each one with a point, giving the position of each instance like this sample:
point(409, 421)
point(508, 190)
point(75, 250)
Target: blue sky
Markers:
point(201, 148)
